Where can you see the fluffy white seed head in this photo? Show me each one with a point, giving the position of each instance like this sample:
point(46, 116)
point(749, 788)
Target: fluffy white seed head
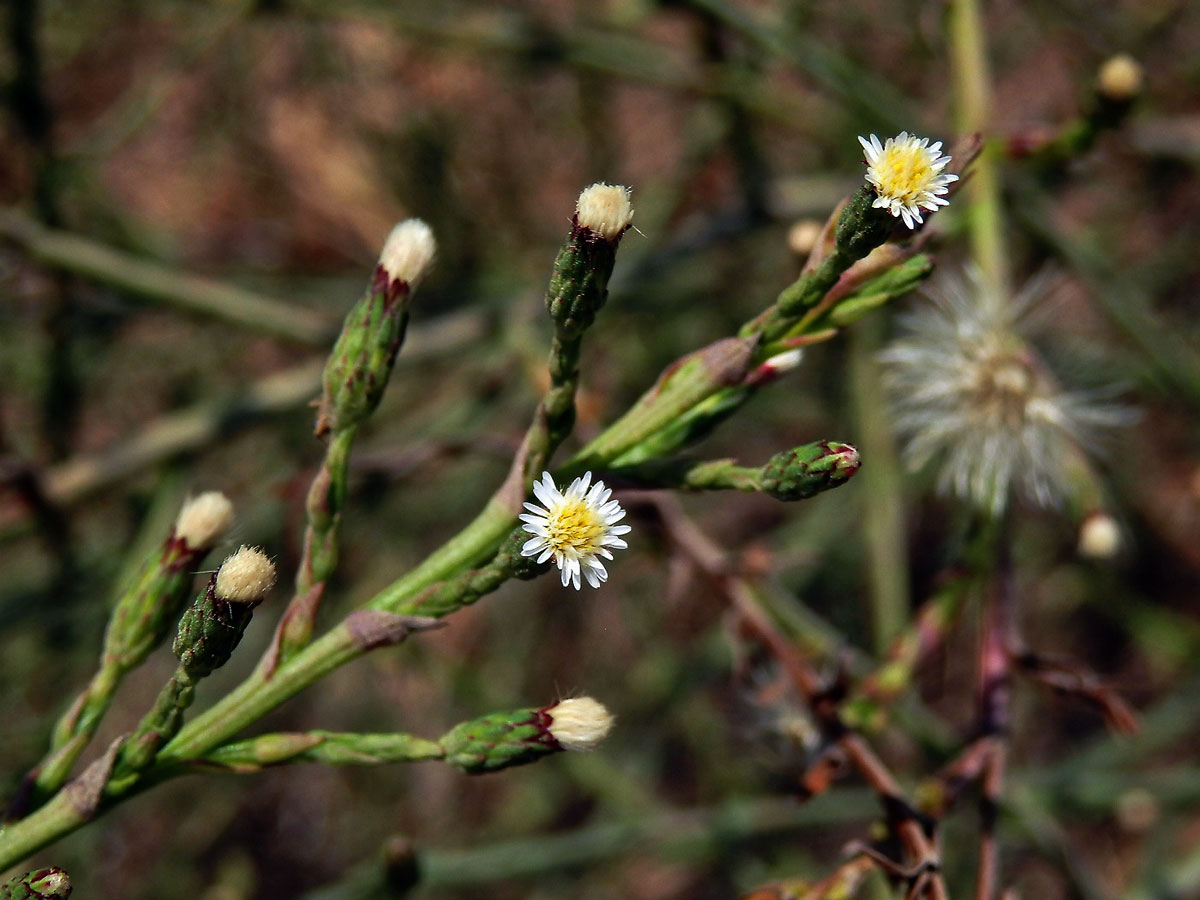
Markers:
point(579, 723)
point(1099, 536)
point(605, 209)
point(971, 392)
point(245, 576)
point(408, 252)
point(204, 519)
point(1120, 78)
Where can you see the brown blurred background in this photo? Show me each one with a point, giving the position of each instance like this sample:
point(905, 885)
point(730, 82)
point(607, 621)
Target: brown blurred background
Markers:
point(270, 146)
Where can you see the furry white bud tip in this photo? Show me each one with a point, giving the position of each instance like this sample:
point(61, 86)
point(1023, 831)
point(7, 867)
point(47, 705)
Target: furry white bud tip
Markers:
point(579, 723)
point(408, 252)
point(605, 209)
point(245, 576)
point(203, 520)
point(1120, 78)
point(1099, 536)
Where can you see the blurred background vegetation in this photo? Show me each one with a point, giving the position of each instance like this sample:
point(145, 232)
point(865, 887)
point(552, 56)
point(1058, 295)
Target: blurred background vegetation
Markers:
point(268, 147)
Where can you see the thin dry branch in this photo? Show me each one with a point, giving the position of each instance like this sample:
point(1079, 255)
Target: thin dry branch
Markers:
point(923, 869)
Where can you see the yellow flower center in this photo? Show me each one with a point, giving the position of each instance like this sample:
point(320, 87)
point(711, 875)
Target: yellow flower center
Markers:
point(574, 529)
point(904, 172)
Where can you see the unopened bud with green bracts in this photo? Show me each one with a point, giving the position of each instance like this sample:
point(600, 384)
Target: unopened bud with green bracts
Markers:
point(486, 744)
point(806, 471)
point(579, 283)
point(209, 632)
point(861, 227)
point(40, 884)
point(792, 475)
point(212, 626)
point(361, 361)
point(146, 610)
point(514, 738)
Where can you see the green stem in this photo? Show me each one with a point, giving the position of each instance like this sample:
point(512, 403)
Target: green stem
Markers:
point(883, 527)
point(325, 503)
point(44, 826)
point(74, 730)
point(972, 80)
point(326, 500)
point(688, 382)
point(258, 695)
point(329, 747)
point(263, 690)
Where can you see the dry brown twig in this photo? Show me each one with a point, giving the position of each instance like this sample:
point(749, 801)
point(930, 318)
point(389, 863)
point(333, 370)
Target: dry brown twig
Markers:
point(922, 868)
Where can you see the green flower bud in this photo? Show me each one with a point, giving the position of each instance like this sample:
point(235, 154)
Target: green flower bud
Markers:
point(862, 226)
point(806, 471)
point(501, 740)
point(579, 283)
point(212, 626)
point(524, 568)
point(144, 613)
point(40, 884)
point(361, 361)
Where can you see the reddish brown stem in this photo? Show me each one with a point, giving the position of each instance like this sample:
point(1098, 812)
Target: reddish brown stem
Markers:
point(924, 862)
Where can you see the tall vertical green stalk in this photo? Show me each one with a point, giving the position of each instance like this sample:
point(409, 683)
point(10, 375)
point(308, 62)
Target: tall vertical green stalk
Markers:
point(973, 113)
point(883, 522)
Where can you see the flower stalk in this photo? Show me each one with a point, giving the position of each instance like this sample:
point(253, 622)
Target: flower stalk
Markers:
point(328, 747)
point(704, 386)
point(577, 291)
point(796, 474)
point(139, 623)
point(356, 374)
point(486, 744)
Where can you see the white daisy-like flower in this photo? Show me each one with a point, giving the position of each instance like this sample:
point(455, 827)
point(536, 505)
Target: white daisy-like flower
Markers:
point(968, 390)
point(907, 174)
point(576, 526)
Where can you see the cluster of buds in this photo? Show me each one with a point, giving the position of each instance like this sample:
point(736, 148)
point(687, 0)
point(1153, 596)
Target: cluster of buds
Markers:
point(139, 622)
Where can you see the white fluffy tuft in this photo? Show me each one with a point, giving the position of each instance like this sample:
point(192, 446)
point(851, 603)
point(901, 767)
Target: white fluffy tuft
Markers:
point(203, 520)
point(245, 576)
point(408, 252)
point(579, 723)
point(605, 209)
